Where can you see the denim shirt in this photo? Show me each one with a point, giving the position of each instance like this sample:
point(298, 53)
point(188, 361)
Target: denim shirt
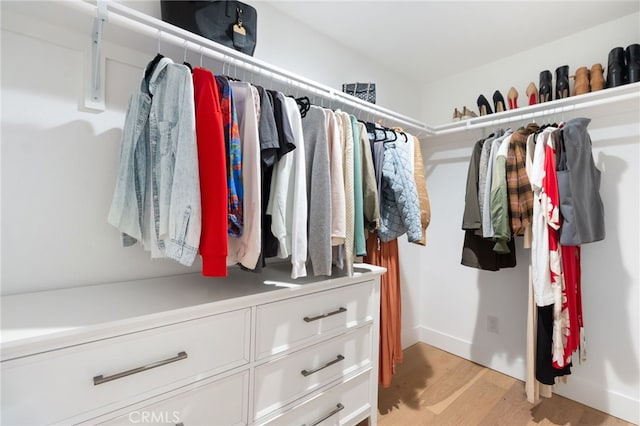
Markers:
point(157, 192)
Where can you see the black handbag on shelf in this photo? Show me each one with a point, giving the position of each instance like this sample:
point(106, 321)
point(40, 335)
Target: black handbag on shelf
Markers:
point(364, 91)
point(231, 23)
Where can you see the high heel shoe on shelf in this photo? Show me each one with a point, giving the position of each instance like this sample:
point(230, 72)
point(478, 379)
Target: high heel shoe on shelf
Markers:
point(467, 113)
point(581, 81)
point(532, 93)
point(562, 82)
point(483, 106)
point(544, 94)
point(457, 116)
point(498, 102)
point(512, 97)
point(596, 78)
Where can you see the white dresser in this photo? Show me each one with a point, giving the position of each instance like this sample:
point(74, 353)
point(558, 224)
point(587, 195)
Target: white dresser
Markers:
point(187, 350)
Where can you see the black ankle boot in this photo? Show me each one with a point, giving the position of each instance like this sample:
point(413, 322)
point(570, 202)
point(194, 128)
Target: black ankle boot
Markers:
point(616, 69)
point(562, 82)
point(632, 55)
point(544, 93)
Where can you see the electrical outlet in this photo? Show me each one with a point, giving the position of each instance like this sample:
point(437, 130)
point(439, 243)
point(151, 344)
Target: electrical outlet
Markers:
point(492, 324)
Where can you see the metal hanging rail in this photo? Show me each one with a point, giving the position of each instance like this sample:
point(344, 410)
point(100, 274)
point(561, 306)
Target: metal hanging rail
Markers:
point(151, 27)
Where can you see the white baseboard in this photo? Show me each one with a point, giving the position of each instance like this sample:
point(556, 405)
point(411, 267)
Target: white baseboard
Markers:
point(593, 395)
point(577, 389)
point(410, 337)
point(482, 355)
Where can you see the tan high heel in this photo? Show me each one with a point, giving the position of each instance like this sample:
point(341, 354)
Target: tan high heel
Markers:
point(581, 84)
point(597, 77)
point(532, 93)
point(512, 97)
point(456, 115)
point(467, 113)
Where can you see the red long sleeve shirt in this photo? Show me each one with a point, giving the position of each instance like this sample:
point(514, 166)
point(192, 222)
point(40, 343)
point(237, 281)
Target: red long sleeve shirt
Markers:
point(213, 179)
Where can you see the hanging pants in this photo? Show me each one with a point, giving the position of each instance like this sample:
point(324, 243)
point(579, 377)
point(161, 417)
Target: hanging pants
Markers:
point(386, 255)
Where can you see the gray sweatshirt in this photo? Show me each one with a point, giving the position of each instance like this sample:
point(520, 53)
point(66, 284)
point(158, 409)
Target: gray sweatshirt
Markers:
point(318, 190)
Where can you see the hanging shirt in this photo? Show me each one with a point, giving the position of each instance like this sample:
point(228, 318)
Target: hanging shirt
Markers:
point(269, 146)
point(359, 236)
point(421, 186)
point(338, 199)
point(267, 130)
point(551, 205)
point(212, 173)
point(286, 144)
point(487, 222)
point(297, 202)
point(158, 167)
point(371, 203)
point(277, 205)
point(234, 156)
point(318, 191)
point(347, 162)
point(580, 203)
point(499, 202)
point(518, 185)
point(530, 149)
point(471, 219)
point(400, 210)
point(482, 170)
point(541, 275)
point(245, 249)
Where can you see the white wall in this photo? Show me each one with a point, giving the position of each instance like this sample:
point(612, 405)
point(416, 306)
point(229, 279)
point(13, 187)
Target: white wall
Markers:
point(59, 160)
point(454, 301)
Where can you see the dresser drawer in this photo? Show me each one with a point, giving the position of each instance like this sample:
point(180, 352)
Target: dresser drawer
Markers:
point(97, 377)
point(221, 403)
point(293, 322)
point(282, 381)
point(345, 404)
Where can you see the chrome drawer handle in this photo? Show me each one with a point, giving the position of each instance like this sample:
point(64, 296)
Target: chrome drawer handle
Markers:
point(339, 311)
point(98, 380)
point(306, 373)
point(339, 407)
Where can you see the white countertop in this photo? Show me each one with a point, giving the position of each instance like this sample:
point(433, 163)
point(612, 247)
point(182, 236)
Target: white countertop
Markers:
point(31, 318)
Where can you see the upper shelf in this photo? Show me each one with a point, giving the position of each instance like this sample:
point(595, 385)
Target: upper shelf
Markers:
point(122, 17)
point(129, 21)
point(615, 95)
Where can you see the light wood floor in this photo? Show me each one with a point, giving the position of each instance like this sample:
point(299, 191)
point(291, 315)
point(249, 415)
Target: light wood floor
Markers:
point(433, 387)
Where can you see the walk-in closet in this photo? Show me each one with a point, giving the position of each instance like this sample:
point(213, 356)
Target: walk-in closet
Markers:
point(361, 212)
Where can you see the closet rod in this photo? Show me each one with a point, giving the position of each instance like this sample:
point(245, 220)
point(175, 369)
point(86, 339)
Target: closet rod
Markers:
point(559, 106)
point(154, 28)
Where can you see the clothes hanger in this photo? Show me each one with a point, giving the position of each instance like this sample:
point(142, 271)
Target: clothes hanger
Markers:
point(154, 62)
point(184, 58)
point(401, 132)
point(394, 134)
point(304, 104)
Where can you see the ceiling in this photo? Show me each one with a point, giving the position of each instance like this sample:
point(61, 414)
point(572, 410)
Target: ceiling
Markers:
point(444, 37)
